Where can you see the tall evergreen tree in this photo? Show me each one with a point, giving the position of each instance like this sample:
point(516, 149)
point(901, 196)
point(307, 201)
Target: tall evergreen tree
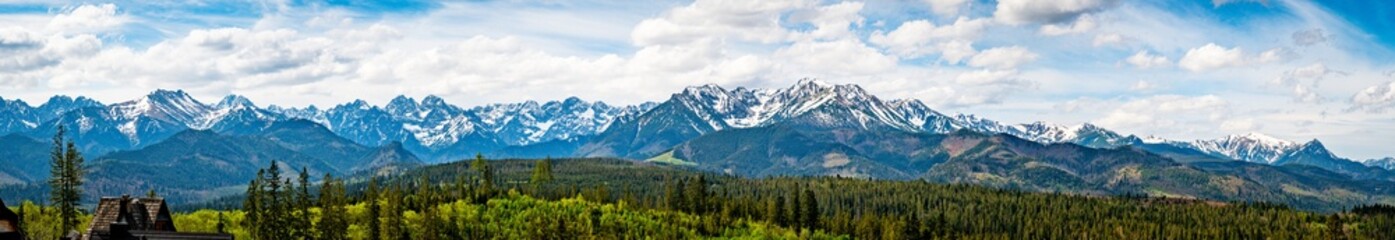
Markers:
point(65, 180)
point(276, 219)
point(486, 188)
point(252, 206)
point(392, 214)
point(796, 209)
point(303, 203)
point(775, 213)
point(697, 195)
point(219, 228)
point(374, 210)
point(811, 212)
point(332, 225)
point(542, 172)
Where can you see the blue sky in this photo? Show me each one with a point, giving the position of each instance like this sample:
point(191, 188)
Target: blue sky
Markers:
point(1294, 69)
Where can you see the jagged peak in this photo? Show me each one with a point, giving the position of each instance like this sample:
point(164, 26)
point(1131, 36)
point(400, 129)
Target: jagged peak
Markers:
point(1089, 127)
point(357, 103)
point(165, 93)
point(701, 89)
point(433, 100)
point(572, 100)
point(812, 82)
point(16, 101)
point(1260, 138)
point(59, 100)
point(235, 101)
point(402, 99)
point(1313, 144)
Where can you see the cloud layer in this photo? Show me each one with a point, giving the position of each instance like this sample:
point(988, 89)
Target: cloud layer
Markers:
point(1138, 67)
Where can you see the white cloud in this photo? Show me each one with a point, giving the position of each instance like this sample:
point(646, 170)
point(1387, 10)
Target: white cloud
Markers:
point(1241, 125)
point(842, 57)
point(1145, 60)
point(1304, 81)
point(833, 21)
point(921, 37)
point(1143, 86)
point(1003, 57)
point(1276, 55)
point(1212, 56)
point(956, 51)
point(1375, 99)
point(88, 18)
point(1309, 37)
point(1084, 24)
point(988, 77)
point(1173, 114)
point(1036, 11)
point(757, 21)
point(947, 7)
point(1108, 39)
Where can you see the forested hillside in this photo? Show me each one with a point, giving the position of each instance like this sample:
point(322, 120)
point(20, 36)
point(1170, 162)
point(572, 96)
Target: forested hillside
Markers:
point(594, 197)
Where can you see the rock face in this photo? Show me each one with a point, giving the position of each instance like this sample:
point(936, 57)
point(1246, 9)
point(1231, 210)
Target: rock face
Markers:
point(435, 131)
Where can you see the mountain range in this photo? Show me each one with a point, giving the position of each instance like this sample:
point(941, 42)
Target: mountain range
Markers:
point(810, 128)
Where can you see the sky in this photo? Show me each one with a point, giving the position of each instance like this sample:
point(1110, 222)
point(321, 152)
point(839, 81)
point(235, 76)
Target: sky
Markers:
point(1293, 69)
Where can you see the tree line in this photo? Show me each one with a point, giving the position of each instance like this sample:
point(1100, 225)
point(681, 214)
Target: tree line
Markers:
point(483, 199)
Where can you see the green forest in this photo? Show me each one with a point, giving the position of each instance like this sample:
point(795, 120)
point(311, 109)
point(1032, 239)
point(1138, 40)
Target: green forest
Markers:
point(621, 199)
point(613, 199)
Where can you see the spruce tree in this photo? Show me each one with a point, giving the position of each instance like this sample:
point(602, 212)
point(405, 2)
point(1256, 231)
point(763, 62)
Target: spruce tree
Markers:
point(542, 172)
point(374, 211)
point(775, 213)
point(303, 203)
point(65, 180)
point(276, 199)
point(486, 188)
point(697, 195)
point(332, 225)
point(796, 210)
point(811, 210)
point(392, 214)
point(252, 206)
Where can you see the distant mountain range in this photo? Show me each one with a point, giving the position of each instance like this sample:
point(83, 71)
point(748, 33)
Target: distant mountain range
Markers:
point(810, 128)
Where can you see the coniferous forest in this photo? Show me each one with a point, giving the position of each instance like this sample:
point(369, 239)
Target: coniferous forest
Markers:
point(619, 199)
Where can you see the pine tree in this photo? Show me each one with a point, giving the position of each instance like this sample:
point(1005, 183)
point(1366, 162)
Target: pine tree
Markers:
point(542, 172)
point(486, 188)
point(796, 209)
point(426, 196)
point(775, 213)
point(811, 210)
point(303, 203)
point(252, 206)
point(65, 181)
point(275, 222)
point(392, 214)
point(374, 211)
point(332, 225)
point(697, 195)
point(219, 227)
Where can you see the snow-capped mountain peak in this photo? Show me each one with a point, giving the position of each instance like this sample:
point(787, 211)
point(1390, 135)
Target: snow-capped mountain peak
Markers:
point(433, 100)
point(175, 106)
point(1252, 147)
point(234, 101)
point(1261, 138)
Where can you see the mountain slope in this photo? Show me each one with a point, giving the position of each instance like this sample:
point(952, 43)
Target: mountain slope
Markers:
point(1003, 160)
point(1386, 163)
point(200, 164)
point(23, 159)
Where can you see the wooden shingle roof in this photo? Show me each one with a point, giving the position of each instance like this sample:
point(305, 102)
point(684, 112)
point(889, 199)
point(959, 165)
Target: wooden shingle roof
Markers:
point(144, 214)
